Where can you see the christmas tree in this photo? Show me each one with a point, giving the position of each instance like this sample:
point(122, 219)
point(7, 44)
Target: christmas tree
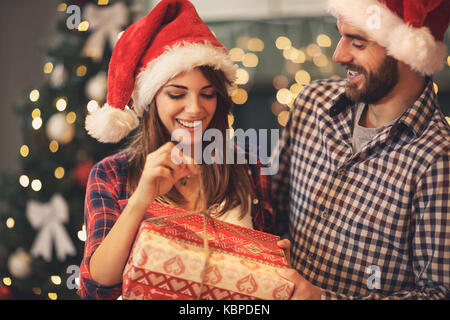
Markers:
point(41, 212)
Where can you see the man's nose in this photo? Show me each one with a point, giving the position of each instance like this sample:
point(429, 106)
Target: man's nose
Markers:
point(342, 53)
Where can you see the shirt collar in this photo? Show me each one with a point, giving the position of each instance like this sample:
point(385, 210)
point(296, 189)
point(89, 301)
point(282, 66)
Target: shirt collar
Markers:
point(418, 115)
point(415, 118)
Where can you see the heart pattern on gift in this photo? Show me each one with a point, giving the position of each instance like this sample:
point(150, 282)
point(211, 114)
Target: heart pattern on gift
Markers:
point(213, 275)
point(156, 279)
point(247, 285)
point(174, 266)
point(283, 292)
point(177, 284)
point(141, 258)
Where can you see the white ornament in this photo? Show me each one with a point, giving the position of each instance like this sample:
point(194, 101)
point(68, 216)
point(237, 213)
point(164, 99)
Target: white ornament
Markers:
point(48, 219)
point(104, 23)
point(58, 76)
point(97, 86)
point(19, 264)
point(59, 129)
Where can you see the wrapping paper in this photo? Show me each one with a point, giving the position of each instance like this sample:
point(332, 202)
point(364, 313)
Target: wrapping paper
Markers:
point(169, 258)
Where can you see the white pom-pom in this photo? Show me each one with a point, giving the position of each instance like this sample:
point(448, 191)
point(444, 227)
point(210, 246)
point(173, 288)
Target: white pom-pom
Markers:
point(110, 125)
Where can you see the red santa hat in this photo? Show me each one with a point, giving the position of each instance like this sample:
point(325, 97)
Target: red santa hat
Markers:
point(170, 40)
point(412, 31)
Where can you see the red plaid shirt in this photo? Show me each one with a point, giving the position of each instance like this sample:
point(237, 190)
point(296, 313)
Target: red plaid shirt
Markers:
point(108, 185)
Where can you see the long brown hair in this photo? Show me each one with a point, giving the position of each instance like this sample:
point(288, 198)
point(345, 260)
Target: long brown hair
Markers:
point(222, 183)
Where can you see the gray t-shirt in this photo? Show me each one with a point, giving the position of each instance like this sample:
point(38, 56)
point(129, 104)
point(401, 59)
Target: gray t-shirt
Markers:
point(362, 135)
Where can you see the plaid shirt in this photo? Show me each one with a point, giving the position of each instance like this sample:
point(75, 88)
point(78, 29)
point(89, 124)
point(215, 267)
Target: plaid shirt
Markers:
point(108, 185)
point(369, 225)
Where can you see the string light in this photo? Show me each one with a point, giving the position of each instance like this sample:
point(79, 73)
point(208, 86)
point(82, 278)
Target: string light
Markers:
point(102, 2)
point(56, 280)
point(313, 50)
point(436, 87)
point(24, 151)
point(242, 76)
point(296, 88)
point(24, 181)
point(92, 106)
point(290, 53)
point(10, 223)
point(250, 60)
point(302, 77)
point(81, 71)
point(36, 123)
point(448, 61)
point(255, 44)
point(82, 233)
point(237, 54)
point(53, 146)
point(301, 57)
point(59, 173)
point(36, 185)
point(34, 95)
point(284, 96)
point(62, 7)
point(48, 68)
point(280, 82)
point(239, 96)
point(36, 113)
point(71, 117)
point(230, 120)
point(52, 296)
point(283, 43)
point(283, 118)
point(242, 42)
point(277, 107)
point(83, 26)
point(448, 119)
point(61, 104)
point(7, 281)
point(323, 41)
point(321, 61)
point(37, 291)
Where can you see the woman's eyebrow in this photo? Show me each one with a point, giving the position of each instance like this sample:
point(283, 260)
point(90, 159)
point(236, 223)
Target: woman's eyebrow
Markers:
point(177, 86)
point(186, 88)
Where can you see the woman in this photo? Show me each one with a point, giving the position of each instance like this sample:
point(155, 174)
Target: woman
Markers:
point(175, 75)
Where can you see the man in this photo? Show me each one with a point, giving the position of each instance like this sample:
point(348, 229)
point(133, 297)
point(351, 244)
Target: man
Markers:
point(364, 176)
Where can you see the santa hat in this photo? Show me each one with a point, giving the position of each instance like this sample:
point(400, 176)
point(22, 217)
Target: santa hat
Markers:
point(412, 31)
point(170, 40)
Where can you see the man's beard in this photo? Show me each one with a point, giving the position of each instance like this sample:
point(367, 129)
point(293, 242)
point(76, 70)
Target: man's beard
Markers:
point(376, 85)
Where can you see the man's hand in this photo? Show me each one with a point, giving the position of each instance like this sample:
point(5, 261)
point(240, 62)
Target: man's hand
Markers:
point(285, 244)
point(303, 289)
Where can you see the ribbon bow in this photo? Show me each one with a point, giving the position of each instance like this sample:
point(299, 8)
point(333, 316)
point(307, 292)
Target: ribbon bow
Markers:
point(48, 219)
point(103, 23)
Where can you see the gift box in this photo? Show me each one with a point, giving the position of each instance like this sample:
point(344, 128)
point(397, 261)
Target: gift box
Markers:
point(170, 259)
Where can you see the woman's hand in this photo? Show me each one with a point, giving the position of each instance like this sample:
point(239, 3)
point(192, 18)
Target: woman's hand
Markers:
point(162, 169)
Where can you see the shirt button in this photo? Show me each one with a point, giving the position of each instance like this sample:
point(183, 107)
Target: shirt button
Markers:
point(309, 257)
point(389, 142)
point(324, 214)
point(341, 173)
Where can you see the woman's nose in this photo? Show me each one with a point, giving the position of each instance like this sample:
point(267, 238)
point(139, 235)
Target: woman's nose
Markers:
point(193, 104)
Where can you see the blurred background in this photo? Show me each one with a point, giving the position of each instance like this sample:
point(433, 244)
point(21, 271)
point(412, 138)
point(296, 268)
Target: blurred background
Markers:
point(54, 72)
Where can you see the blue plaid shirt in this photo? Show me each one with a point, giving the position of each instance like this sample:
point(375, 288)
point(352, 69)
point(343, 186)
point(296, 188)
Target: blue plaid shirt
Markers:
point(373, 224)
